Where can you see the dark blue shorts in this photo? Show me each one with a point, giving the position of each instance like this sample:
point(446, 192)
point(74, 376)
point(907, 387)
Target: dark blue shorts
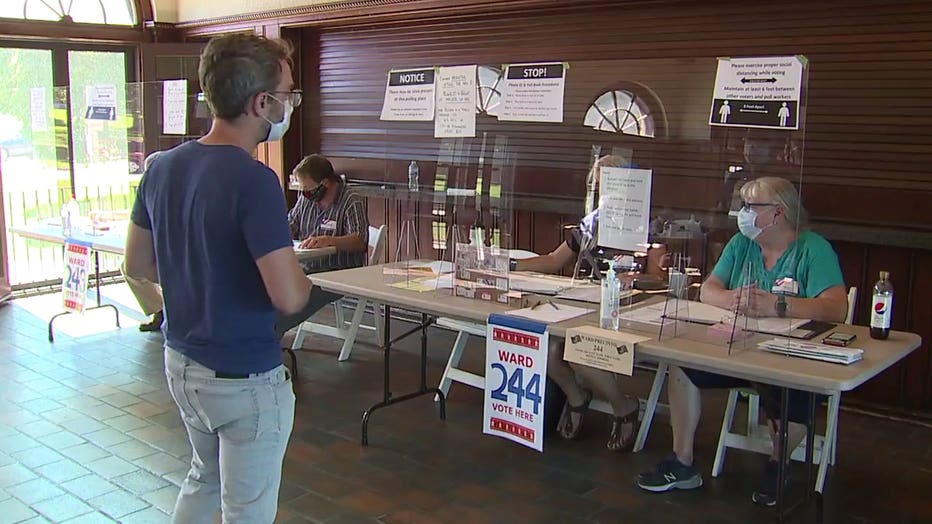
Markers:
point(769, 395)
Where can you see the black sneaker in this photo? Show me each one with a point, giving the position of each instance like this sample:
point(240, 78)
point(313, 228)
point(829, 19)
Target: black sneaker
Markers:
point(155, 324)
point(670, 474)
point(766, 493)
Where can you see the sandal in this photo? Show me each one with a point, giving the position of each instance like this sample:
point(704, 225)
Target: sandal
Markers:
point(567, 429)
point(617, 442)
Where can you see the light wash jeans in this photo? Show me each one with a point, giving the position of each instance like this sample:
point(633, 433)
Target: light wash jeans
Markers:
point(239, 429)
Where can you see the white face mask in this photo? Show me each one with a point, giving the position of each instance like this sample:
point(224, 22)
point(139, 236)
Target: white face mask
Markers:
point(747, 223)
point(278, 130)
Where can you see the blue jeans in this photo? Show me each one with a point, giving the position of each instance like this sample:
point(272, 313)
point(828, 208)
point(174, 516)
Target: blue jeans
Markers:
point(239, 429)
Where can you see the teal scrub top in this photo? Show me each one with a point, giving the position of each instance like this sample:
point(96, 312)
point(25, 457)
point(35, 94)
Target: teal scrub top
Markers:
point(810, 261)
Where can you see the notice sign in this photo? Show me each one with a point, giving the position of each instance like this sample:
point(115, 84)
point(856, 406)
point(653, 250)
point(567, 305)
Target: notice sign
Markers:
point(175, 107)
point(38, 110)
point(515, 380)
point(456, 102)
point(602, 349)
point(533, 93)
point(624, 208)
point(757, 92)
point(101, 102)
point(74, 281)
point(409, 95)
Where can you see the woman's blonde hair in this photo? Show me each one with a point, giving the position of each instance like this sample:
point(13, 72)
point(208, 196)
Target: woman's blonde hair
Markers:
point(778, 191)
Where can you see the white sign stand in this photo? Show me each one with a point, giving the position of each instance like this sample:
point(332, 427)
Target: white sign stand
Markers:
point(74, 281)
point(515, 380)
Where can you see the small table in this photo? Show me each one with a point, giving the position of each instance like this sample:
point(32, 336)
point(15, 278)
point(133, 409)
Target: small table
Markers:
point(112, 240)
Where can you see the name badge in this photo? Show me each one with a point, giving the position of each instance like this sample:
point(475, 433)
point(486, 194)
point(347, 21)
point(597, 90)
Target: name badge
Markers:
point(785, 286)
point(328, 225)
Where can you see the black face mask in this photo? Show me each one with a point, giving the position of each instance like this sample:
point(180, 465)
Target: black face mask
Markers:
point(314, 195)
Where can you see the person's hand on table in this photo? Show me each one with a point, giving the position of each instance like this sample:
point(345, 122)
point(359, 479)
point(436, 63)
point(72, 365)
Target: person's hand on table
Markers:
point(755, 302)
point(316, 242)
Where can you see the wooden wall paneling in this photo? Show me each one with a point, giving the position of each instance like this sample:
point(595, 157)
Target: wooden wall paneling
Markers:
point(885, 388)
point(918, 381)
point(851, 104)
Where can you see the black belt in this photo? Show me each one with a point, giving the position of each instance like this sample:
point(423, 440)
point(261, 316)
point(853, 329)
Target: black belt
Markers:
point(220, 374)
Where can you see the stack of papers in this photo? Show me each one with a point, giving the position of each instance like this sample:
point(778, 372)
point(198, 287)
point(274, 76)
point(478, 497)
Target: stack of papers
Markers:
point(825, 353)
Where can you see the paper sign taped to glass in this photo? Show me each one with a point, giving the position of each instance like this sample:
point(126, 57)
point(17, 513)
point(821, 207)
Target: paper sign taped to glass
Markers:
point(624, 208)
point(602, 349)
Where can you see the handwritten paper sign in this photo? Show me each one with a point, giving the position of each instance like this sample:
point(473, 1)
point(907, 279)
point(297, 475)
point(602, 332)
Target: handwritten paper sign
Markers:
point(456, 102)
point(409, 95)
point(624, 208)
point(74, 281)
point(757, 92)
point(602, 349)
point(515, 380)
point(38, 109)
point(533, 93)
point(175, 107)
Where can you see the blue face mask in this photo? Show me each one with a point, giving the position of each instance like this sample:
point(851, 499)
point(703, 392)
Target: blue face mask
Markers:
point(747, 223)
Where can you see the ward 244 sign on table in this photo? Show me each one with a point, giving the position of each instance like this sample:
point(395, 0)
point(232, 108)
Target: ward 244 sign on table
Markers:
point(515, 380)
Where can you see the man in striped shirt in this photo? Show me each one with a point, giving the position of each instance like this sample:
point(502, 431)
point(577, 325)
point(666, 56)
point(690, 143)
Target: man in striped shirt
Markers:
point(327, 213)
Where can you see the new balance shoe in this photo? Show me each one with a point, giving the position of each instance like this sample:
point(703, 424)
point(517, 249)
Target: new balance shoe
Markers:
point(670, 474)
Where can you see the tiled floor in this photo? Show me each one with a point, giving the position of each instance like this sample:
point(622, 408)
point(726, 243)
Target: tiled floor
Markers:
point(88, 433)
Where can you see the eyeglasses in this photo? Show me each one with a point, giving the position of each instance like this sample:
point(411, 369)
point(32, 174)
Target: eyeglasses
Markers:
point(293, 97)
point(751, 205)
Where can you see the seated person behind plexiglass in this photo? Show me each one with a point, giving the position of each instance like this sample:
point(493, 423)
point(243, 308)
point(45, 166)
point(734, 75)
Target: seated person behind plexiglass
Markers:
point(605, 384)
point(773, 248)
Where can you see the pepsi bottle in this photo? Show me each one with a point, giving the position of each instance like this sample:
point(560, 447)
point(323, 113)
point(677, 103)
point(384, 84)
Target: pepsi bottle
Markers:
point(882, 307)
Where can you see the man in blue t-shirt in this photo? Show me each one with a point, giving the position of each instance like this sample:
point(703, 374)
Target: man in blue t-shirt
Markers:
point(209, 224)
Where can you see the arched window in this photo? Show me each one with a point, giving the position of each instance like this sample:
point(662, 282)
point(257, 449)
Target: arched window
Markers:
point(112, 12)
point(621, 111)
point(489, 96)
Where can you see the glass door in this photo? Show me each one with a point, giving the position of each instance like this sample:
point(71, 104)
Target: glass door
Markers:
point(28, 168)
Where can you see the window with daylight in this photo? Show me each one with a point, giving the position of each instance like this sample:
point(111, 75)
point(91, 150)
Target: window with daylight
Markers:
point(489, 96)
point(621, 111)
point(112, 12)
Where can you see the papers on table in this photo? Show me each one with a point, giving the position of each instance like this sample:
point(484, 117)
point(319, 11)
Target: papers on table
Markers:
point(438, 267)
point(539, 284)
point(550, 313)
point(707, 314)
point(590, 293)
point(811, 350)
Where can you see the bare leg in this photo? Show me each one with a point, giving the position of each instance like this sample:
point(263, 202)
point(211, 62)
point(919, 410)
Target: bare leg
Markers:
point(561, 373)
point(577, 399)
point(607, 385)
point(685, 409)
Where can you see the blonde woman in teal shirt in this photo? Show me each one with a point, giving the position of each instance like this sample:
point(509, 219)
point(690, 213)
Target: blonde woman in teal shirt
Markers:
point(773, 252)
